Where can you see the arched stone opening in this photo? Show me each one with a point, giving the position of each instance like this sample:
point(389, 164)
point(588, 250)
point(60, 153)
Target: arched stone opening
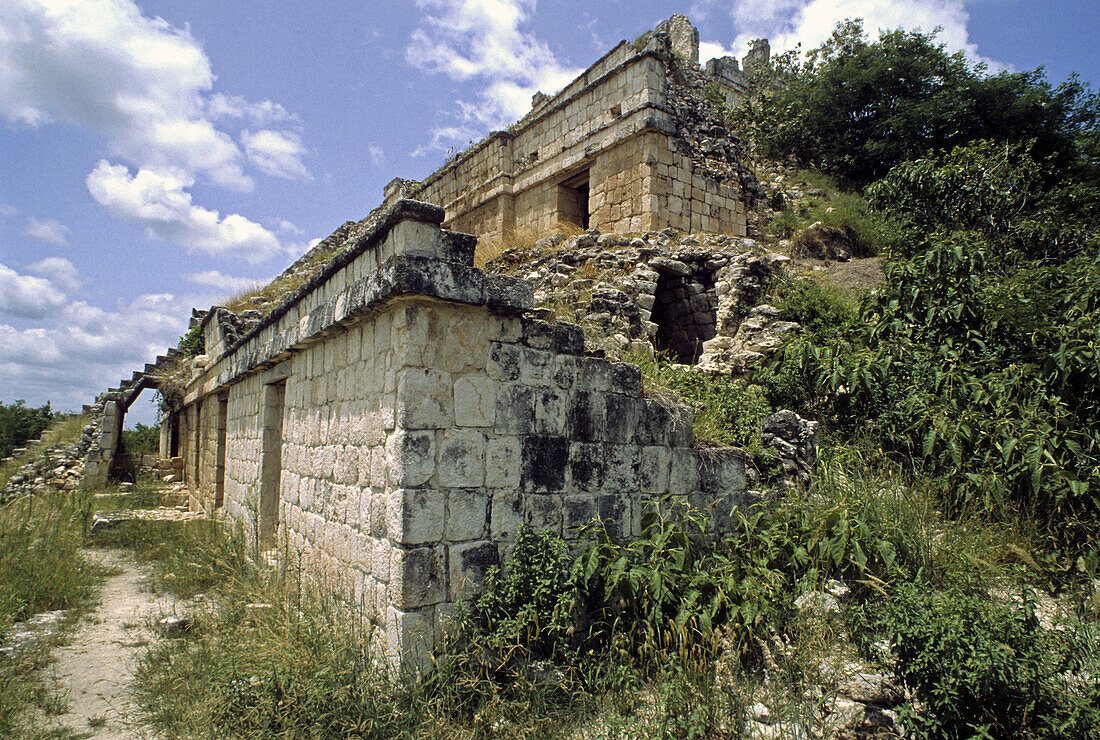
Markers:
point(685, 310)
point(126, 465)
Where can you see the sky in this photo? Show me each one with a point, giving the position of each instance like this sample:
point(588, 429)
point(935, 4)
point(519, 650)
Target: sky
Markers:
point(157, 156)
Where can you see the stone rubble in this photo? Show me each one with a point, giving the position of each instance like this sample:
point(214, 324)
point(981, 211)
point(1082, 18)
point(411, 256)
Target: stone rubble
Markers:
point(29, 635)
point(695, 297)
point(56, 468)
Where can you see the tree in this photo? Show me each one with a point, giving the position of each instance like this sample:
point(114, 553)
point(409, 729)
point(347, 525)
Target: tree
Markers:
point(19, 424)
point(857, 109)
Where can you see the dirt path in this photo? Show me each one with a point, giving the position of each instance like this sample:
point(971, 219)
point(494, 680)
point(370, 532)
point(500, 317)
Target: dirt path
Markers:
point(95, 666)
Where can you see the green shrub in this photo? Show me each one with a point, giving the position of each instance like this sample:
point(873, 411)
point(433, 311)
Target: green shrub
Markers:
point(193, 342)
point(819, 307)
point(20, 424)
point(785, 224)
point(141, 440)
point(529, 602)
point(856, 108)
point(727, 411)
point(980, 669)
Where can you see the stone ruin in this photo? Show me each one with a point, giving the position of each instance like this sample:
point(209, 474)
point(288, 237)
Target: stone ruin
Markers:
point(402, 415)
point(637, 142)
point(398, 414)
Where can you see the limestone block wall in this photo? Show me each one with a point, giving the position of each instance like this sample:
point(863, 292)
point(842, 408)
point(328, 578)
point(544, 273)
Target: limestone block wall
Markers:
point(692, 202)
point(401, 417)
point(613, 122)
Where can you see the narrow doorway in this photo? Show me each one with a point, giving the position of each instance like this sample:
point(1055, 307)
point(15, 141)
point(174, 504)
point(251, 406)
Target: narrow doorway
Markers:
point(174, 435)
point(198, 448)
point(219, 470)
point(573, 202)
point(685, 312)
point(271, 462)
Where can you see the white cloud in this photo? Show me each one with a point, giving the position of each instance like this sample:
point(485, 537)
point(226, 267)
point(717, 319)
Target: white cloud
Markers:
point(222, 106)
point(27, 296)
point(215, 279)
point(146, 87)
point(7, 209)
point(158, 199)
point(48, 230)
point(60, 271)
point(138, 81)
point(444, 135)
point(483, 40)
point(377, 156)
point(276, 153)
point(787, 23)
point(85, 349)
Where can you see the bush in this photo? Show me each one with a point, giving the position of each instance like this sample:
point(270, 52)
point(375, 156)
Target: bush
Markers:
point(855, 108)
point(529, 603)
point(984, 670)
point(819, 307)
point(20, 424)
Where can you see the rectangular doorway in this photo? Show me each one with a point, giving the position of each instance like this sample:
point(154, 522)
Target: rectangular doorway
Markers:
point(573, 201)
point(219, 470)
point(271, 463)
point(198, 449)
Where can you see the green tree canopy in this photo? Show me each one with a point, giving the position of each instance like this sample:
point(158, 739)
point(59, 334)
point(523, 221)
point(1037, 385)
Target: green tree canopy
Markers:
point(856, 109)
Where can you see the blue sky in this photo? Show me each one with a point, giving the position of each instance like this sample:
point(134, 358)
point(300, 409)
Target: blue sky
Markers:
point(156, 155)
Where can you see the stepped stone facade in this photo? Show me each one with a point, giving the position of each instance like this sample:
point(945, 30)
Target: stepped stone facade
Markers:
point(398, 417)
point(635, 143)
point(403, 414)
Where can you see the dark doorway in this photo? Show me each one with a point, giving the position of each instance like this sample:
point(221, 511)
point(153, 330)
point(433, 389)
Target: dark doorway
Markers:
point(271, 462)
point(198, 446)
point(685, 312)
point(219, 470)
point(174, 435)
point(573, 205)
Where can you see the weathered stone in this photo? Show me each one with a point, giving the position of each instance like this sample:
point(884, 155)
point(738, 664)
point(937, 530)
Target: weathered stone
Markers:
point(410, 457)
point(415, 516)
point(467, 514)
point(417, 577)
point(469, 561)
point(462, 459)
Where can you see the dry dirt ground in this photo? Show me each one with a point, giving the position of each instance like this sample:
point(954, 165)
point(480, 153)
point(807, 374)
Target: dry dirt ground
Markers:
point(95, 666)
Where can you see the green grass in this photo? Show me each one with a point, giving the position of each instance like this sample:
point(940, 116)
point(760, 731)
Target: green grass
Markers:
point(520, 666)
point(41, 569)
point(725, 411)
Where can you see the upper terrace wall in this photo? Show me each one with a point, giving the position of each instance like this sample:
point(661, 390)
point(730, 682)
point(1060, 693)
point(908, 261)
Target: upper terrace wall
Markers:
point(607, 123)
point(401, 417)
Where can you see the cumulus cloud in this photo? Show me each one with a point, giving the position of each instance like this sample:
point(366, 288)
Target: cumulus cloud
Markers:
point(222, 106)
point(787, 23)
point(484, 41)
point(86, 349)
point(60, 271)
point(276, 153)
point(146, 87)
point(48, 230)
point(215, 279)
point(138, 81)
point(28, 296)
point(158, 199)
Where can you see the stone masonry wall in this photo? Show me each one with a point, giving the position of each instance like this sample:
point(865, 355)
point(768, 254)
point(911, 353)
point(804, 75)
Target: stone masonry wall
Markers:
point(623, 122)
point(425, 418)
